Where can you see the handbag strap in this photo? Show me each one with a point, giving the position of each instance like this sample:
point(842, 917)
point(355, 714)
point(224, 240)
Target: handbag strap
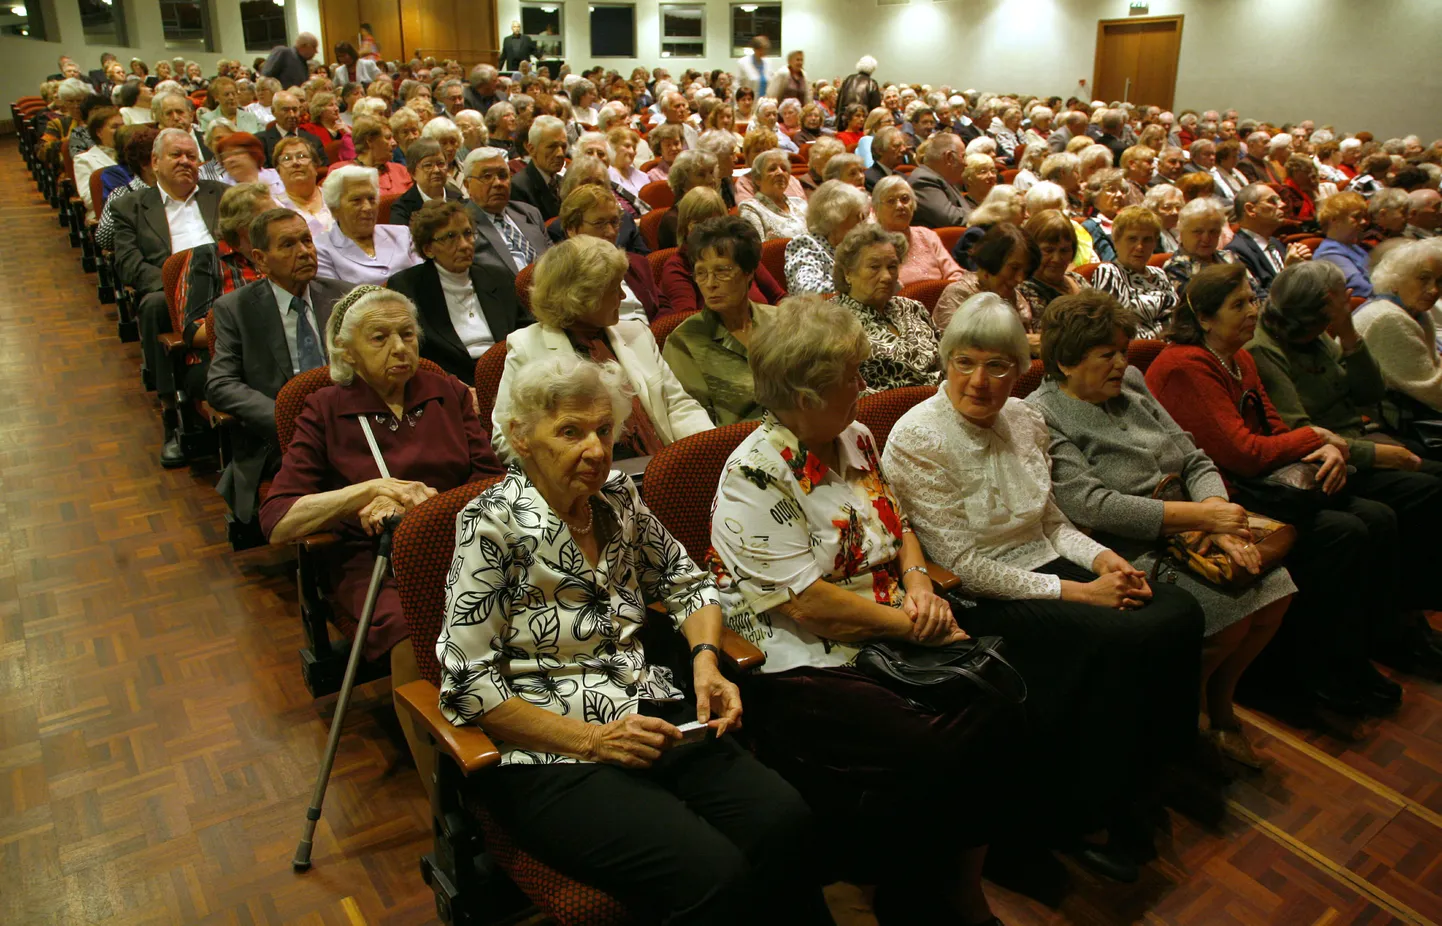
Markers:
point(375, 448)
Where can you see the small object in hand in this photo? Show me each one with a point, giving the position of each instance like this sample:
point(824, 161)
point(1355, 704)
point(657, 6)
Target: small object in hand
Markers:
point(694, 732)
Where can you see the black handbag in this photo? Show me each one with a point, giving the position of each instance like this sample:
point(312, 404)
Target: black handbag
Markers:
point(1290, 493)
point(945, 678)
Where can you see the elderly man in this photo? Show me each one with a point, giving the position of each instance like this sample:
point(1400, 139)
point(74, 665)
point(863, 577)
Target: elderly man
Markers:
point(672, 109)
point(286, 107)
point(1424, 214)
point(173, 216)
point(1113, 126)
point(510, 233)
point(539, 184)
point(1171, 164)
point(1253, 164)
point(290, 65)
point(174, 111)
point(888, 150)
point(937, 184)
point(1204, 157)
point(266, 332)
point(473, 131)
point(1073, 126)
point(1260, 211)
point(516, 48)
point(451, 98)
point(483, 93)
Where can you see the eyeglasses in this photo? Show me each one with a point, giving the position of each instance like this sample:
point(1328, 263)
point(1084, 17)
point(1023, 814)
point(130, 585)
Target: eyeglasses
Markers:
point(449, 238)
point(720, 275)
point(996, 369)
point(299, 158)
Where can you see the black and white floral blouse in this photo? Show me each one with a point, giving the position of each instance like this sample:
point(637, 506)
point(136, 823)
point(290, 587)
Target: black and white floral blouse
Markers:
point(905, 356)
point(1149, 294)
point(527, 617)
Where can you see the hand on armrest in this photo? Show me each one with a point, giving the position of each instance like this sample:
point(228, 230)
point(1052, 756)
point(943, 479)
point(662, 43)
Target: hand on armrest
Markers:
point(468, 746)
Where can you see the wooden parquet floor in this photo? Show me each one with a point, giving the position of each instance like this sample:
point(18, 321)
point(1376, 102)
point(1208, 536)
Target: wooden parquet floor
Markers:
point(157, 746)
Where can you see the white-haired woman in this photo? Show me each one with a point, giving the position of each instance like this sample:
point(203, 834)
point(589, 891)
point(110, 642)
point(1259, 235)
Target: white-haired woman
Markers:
point(1006, 130)
point(1199, 235)
point(576, 300)
point(445, 133)
point(1165, 202)
point(834, 209)
point(771, 212)
point(977, 178)
point(903, 340)
point(595, 777)
point(1399, 326)
point(356, 250)
point(894, 205)
point(767, 116)
point(972, 468)
point(1038, 133)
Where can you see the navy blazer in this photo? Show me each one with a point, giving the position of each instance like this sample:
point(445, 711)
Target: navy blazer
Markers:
point(531, 188)
point(1249, 254)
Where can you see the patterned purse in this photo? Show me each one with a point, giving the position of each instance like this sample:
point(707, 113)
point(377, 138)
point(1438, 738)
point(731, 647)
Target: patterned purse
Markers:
point(1273, 540)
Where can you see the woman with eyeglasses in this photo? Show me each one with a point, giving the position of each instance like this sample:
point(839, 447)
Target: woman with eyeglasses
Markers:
point(464, 307)
point(301, 192)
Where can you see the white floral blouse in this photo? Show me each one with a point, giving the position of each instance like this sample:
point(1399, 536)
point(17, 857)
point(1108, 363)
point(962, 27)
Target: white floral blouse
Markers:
point(528, 617)
point(1149, 294)
point(783, 520)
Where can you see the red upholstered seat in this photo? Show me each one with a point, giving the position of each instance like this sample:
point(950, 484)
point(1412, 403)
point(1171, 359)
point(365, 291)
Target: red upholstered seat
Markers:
point(658, 259)
point(170, 283)
point(489, 367)
point(1029, 380)
point(681, 479)
point(950, 235)
point(650, 227)
point(291, 399)
point(773, 258)
point(1157, 260)
point(523, 286)
point(925, 292)
point(1142, 351)
point(383, 209)
point(658, 195)
point(881, 410)
point(1085, 271)
point(662, 327)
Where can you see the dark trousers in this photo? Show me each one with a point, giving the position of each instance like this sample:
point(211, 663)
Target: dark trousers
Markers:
point(1416, 500)
point(1112, 696)
point(707, 835)
point(153, 317)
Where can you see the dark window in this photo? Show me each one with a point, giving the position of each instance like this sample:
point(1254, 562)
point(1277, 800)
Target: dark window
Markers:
point(749, 20)
point(103, 22)
point(24, 19)
point(264, 24)
point(613, 31)
point(542, 22)
point(186, 24)
point(683, 31)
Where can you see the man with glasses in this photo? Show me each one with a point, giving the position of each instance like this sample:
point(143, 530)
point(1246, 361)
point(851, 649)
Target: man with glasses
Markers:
point(286, 107)
point(1259, 213)
point(511, 234)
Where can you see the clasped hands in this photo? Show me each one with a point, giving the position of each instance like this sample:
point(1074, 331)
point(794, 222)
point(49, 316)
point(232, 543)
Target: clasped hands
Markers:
point(390, 497)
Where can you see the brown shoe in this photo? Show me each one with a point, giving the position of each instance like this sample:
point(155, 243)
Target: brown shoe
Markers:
point(1233, 745)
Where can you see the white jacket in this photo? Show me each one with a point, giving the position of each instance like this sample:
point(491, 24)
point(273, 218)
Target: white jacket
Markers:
point(672, 410)
point(749, 75)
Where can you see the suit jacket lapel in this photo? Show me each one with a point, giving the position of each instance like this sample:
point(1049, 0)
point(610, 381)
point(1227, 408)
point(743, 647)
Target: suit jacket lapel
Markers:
point(267, 314)
point(209, 199)
point(437, 316)
point(492, 235)
point(154, 209)
point(491, 303)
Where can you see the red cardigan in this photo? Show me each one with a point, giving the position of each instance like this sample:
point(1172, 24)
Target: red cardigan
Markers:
point(680, 292)
point(1205, 400)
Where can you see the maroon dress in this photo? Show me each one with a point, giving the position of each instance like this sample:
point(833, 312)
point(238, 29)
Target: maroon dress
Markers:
point(438, 441)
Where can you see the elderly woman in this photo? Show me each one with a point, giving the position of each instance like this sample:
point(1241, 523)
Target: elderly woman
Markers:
point(1142, 289)
point(668, 141)
point(708, 351)
point(405, 128)
point(1112, 446)
point(501, 127)
point(445, 133)
point(227, 106)
point(1046, 195)
point(972, 468)
point(576, 299)
point(590, 208)
point(978, 176)
point(1165, 202)
point(1386, 217)
point(375, 144)
point(356, 250)
point(811, 588)
point(926, 256)
point(1053, 239)
point(767, 117)
point(813, 124)
point(587, 725)
point(1343, 219)
point(1106, 195)
point(772, 212)
point(1137, 163)
point(326, 127)
point(1064, 170)
point(758, 142)
point(1199, 236)
point(722, 118)
point(789, 120)
point(1210, 386)
point(903, 340)
point(429, 170)
point(1399, 326)
point(623, 170)
point(295, 164)
point(1006, 132)
point(1003, 258)
point(1227, 179)
point(464, 307)
point(1299, 191)
point(1005, 203)
point(103, 123)
point(835, 209)
point(1039, 132)
point(848, 168)
point(678, 286)
point(590, 171)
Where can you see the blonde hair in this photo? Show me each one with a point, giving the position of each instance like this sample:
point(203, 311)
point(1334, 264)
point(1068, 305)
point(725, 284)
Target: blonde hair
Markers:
point(804, 350)
point(572, 277)
point(698, 205)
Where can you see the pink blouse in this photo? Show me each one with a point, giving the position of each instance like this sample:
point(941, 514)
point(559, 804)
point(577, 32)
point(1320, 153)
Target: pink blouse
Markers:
point(927, 259)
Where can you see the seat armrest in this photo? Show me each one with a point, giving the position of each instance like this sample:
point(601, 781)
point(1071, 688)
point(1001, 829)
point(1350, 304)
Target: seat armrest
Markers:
point(314, 543)
point(468, 746)
point(746, 655)
point(941, 578)
point(217, 419)
point(173, 343)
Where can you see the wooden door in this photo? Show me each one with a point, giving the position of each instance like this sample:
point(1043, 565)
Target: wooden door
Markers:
point(1136, 60)
point(341, 19)
point(460, 29)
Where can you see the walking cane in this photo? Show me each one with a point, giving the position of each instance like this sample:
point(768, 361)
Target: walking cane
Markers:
point(301, 862)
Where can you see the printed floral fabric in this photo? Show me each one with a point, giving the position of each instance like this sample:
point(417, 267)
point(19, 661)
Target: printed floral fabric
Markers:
point(1149, 294)
point(783, 520)
point(903, 344)
point(528, 617)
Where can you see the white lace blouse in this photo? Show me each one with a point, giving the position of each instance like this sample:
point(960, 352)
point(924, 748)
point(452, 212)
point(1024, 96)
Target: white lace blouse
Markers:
point(980, 499)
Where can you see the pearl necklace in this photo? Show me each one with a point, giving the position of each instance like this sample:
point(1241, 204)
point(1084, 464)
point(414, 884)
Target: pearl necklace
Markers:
point(590, 522)
point(1235, 369)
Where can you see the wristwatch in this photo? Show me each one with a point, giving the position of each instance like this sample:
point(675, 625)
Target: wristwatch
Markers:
point(704, 647)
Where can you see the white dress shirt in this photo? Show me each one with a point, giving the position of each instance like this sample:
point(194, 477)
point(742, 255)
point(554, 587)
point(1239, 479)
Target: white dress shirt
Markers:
point(287, 322)
point(187, 224)
point(465, 311)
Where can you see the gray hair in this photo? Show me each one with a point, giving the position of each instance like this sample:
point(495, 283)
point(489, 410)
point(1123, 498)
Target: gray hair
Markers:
point(866, 65)
point(1387, 198)
point(347, 315)
point(804, 350)
point(1162, 192)
point(879, 192)
point(833, 203)
point(787, 105)
point(681, 177)
point(1297, 300)
point(839, 163)
point(825, 148)
point(1094, 157)
point(985, 321)
point(1044, 195)
point(1060, 163)
point(941, 144)
point(1203, 208)
point(1279, 141)
point(762, 162)
point(73, 90)
point(481, 154)
point(1042, 113)
point(482, 74)
point(1259, 138)
point(165, 136)
point(157, 103)
point(372, 107)
point(541, 126)
point(586, 138)
point(494, 114)
point(538, 388)
point(219, 122)
point(848, 252)
point(572, 277)
point(440, 127)
point(336, 181)
point(718, 143)
point(1002, 204)
point(981, 145)
point(1402, 262)
point(885, 140)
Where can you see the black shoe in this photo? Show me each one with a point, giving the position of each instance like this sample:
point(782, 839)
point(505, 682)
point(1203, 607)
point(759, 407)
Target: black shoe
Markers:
point(171, 455)
point(1342, 698)
point(1107, 861)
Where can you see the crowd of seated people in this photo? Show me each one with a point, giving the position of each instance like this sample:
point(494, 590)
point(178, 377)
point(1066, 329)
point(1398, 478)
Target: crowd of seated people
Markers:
point(555, 224)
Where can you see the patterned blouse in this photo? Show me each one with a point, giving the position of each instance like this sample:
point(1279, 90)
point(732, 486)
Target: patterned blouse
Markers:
point(783, 520)
point(770, 223)
point(809, 261)
point(1040, 293)
point(906, 356)
point(1149, 294)
point(968, 285)
point(1180, 267)
point(526, 616)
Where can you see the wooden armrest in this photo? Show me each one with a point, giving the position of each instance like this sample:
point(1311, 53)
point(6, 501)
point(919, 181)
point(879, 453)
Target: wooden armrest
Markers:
point(468, 745)
point(940, 577)
point(747, 656)
point(314, 543)
point(173, 343)
point(217, 419)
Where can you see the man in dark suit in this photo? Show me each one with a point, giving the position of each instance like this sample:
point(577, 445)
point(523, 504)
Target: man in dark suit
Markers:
point(937, 183)
point(516, 47)
point(1260, 212)
point(1113, 126)
point(483, 93)
point(539, 184)
point(1075, 123)
point(456, 351)
point(262, 339)
point(888, 151)
point(1253, 165)
point(176, 214)
point(285, 107)
point(289, 65)
point(512, 234)
point(1170, 167)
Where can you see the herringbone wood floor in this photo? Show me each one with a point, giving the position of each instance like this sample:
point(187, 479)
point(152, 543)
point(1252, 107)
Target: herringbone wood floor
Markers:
point(157, 746)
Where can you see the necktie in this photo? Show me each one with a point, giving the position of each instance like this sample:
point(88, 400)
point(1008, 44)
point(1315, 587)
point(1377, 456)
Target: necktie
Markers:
point(555, 186)
point(307, 345)
point(1274, 251)
point(520, 248)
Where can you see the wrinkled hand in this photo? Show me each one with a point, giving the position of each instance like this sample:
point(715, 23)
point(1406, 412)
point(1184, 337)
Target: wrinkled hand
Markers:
point(374, 514)
point(715, 694)
point(1239, 550)
point(1112, 561)
point(406, 493)
point(1333, 471)
point(1117, 590)
point(932, 623)
point(1395, 456)
point(1334, 439)
point(1297, 252)
point(633, 741)
point(1224, 517)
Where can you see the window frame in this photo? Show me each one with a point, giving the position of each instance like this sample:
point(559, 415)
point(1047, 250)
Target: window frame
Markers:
point(560, 9)
point(591, 8)
point(38, 19)
point(266, 49)
point(739, 50)
point(661, 23)
point(118, 16)
point(206, 42)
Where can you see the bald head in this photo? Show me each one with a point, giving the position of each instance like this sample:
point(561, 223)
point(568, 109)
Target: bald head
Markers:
point(1424, 209)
